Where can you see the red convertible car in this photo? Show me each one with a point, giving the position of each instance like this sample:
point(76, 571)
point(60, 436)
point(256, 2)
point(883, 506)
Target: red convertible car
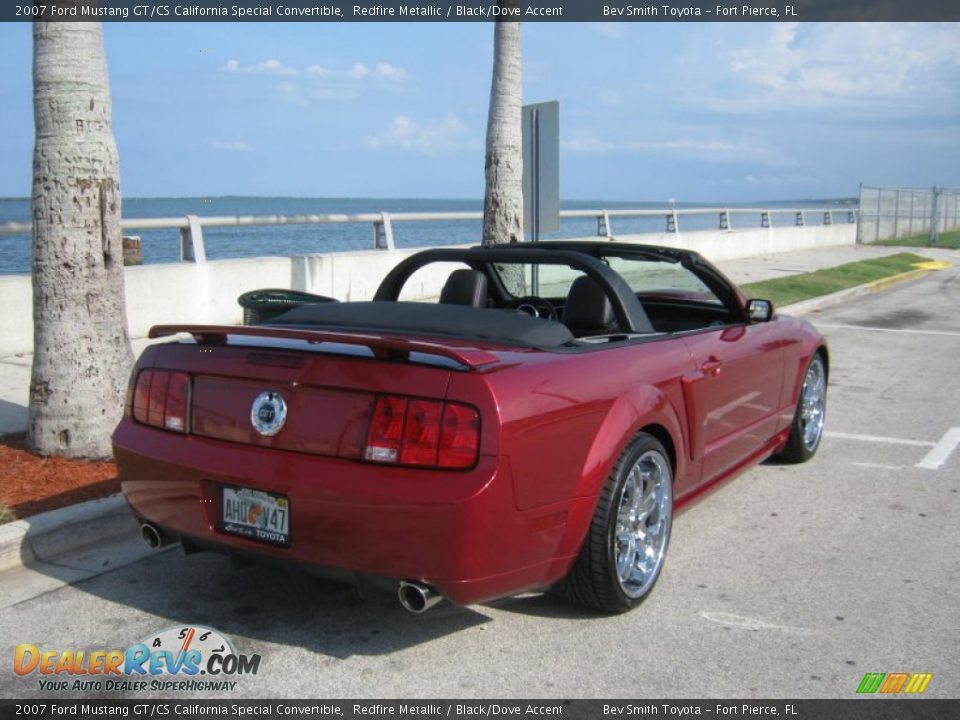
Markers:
point(536, 427)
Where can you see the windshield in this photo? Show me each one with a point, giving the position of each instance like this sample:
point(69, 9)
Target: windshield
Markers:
point(645, 276)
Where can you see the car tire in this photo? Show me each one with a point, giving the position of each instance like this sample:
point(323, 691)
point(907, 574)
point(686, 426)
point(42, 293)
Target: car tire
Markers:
point(626, 543)
point(807, 428)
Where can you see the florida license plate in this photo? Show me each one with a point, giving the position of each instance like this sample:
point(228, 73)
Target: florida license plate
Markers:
point(256, 514)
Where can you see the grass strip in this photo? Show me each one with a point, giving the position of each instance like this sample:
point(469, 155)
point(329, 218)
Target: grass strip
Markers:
point(788, 290)
point(949, 240)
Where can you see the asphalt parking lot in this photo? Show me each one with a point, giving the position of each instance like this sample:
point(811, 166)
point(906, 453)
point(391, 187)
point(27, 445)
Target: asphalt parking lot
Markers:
point(791, 581)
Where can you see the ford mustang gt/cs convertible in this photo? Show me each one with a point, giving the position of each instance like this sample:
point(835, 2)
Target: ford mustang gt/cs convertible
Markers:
point(536, 427)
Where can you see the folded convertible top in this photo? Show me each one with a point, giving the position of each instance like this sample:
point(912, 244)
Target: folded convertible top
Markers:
point(455, 321)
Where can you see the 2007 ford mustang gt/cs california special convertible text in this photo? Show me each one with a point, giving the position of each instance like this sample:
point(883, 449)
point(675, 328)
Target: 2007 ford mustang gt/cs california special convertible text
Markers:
point(536, 427)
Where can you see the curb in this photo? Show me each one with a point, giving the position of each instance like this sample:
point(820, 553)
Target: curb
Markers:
point(73, 529)
point(51, 535)
point(823, 301)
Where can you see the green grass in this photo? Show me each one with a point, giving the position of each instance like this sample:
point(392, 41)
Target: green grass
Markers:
point(787, 290)
point(6, 514)
point(949, 240)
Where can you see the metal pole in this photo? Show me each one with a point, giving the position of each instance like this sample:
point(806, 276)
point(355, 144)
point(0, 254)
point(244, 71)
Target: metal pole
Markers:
point(535, 199)
point(876, 238)
point(859, 215)
point(913, 197)
point(896, 216)
point(934, 216)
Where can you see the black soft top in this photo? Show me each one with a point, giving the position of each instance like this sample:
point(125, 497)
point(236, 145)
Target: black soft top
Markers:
point(427, 319)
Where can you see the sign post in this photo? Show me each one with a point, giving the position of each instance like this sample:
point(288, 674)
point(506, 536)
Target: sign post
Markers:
point(541, 173)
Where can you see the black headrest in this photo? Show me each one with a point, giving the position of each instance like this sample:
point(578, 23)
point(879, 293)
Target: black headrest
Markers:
point(465, 287)
point(587, 310)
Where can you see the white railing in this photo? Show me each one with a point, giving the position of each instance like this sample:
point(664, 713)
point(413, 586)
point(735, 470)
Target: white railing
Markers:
point(191, 227)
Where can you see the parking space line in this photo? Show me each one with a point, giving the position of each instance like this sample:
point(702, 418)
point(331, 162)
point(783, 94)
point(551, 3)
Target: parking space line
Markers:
point(941, 451)
point(899, 331)
point(729, 619)
point(878, 439)
point(879, 466)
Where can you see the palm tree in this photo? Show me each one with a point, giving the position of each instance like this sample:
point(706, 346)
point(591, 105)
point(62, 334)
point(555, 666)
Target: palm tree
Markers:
point(503, 199)
point(82, 355)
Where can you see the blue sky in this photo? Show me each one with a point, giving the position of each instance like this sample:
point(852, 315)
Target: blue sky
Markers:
point(649, 111)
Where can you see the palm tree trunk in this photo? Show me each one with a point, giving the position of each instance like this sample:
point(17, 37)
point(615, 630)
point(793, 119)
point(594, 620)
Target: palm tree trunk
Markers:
point(82, 354)
point(503, 199)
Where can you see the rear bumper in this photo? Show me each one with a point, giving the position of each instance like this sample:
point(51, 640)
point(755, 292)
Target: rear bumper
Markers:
point(457, 531)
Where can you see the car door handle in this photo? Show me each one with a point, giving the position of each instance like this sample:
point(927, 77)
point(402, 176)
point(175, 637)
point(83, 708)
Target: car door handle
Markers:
point(711, 366)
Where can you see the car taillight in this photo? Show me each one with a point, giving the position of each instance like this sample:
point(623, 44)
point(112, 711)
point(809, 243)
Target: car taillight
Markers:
point(459, 437)
point(161, 399)
point(425, 433)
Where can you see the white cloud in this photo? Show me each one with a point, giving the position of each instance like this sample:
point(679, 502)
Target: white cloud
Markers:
point(317, 83)
point(275, 67)
point(386, 71)
point(815, 65)
point(407, 134)
point(359, 71)
point(766, 180)
point(685, 144)
point(231, 145)
point(709, 149)
point(271, 66)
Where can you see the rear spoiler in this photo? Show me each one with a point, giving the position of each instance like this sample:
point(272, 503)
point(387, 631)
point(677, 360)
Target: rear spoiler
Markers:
point(381, 345)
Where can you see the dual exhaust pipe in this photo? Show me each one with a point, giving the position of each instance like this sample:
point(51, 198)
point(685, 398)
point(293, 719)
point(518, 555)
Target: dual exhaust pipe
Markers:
point(415, 597)
point(152, 536)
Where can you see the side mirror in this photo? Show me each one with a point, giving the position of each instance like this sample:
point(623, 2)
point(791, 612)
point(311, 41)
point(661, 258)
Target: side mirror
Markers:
point(759, 310)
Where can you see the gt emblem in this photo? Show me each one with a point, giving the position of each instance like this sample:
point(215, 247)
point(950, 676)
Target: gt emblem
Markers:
point(268, 413)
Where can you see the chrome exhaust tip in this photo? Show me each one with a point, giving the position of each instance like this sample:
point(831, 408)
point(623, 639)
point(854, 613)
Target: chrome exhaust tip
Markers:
point(151, 535)
point(416, 597)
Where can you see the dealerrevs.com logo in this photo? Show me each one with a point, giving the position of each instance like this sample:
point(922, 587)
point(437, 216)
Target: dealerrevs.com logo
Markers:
point(192, 658)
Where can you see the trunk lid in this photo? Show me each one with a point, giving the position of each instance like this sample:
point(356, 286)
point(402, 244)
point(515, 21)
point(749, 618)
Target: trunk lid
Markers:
point(328, 382)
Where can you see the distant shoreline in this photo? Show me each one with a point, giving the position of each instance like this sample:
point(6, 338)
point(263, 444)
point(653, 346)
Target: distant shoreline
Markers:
point(664, 203)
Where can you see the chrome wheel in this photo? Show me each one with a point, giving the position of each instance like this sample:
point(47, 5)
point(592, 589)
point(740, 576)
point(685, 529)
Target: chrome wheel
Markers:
point(643, 523)
point(813, 404)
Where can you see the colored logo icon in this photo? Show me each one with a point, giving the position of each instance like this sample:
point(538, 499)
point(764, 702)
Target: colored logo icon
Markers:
point(894, 683)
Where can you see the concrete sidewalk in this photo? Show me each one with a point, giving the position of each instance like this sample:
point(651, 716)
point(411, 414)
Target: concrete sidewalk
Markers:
point(15, 369)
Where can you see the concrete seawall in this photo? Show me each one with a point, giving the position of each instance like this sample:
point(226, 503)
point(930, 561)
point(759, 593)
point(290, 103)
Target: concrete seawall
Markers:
point(207, 292)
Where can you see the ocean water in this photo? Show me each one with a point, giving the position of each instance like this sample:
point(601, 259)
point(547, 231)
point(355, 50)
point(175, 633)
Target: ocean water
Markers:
point(163, 246)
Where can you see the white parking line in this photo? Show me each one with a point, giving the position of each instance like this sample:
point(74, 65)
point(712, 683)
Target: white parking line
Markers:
point(723, 618)
point(879, 466)
point(878, 439)
point(941, 451)
point(948, 333)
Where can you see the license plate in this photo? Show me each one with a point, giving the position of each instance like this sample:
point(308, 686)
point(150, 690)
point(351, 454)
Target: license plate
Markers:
point(256, 514)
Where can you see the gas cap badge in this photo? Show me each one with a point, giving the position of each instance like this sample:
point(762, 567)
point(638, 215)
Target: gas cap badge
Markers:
point(269, 413)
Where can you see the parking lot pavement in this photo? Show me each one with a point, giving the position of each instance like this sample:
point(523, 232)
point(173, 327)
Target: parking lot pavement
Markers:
point(791, 581)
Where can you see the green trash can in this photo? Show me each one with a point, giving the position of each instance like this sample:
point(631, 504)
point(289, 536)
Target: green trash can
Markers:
point(261, 306)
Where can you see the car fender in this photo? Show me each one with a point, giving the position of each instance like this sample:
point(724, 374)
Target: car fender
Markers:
point(639, 407)
point(795, 368)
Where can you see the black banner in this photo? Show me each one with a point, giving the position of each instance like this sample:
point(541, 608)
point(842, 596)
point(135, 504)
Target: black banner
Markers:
point(271, 709)
point(481, 11)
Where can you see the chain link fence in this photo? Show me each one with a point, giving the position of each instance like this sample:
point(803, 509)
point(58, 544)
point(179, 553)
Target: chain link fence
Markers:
point(888, 213)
